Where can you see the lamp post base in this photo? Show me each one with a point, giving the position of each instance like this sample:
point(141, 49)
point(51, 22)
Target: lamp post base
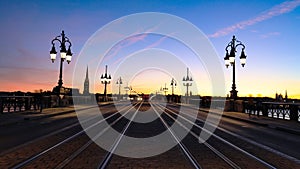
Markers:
point(59, 92)
point(233, 94)
point(233, 97)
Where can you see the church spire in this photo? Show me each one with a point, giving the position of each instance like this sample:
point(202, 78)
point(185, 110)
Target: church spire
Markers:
point(86, 88)
point(87, 73)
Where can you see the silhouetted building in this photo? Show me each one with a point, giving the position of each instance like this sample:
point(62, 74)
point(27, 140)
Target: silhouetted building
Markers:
point(86, 88)
point(279, 97)
point(73, 91)
point(69, 91)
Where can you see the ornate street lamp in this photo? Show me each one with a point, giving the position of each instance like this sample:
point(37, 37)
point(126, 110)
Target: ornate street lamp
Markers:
point(119, 82)
point(127, 88)
point(173, 84)
point(165, 89)
point(105, 79)
point(187, 81)
point(230, 60)
point(64, 55)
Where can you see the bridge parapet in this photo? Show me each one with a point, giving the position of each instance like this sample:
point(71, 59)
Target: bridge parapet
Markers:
point(278, 110)
point(20, 103)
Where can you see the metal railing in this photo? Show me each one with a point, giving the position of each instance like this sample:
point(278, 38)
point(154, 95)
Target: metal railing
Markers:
point(9, 104)
point(278, 110)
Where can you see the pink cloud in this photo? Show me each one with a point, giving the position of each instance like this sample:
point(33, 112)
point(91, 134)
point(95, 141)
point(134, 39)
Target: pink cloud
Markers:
point(280, 9)
point(138, 36)
point(270, 34)
point(157, 42)
point(125, 43)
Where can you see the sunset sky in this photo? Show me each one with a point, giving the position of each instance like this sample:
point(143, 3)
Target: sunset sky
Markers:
point(269, 29)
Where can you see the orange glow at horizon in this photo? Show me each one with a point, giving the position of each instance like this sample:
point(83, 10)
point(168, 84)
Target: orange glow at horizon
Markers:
point(25, 87)
point(149, 81)
point(144, 83)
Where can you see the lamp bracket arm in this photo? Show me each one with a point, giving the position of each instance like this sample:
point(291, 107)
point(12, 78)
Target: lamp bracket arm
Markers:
point(227, 48)
point(67, 40)
point(240, 44)
point(56, 39)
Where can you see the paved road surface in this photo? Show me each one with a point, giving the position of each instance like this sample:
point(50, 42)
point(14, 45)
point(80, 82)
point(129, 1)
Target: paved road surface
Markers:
point(281, 146)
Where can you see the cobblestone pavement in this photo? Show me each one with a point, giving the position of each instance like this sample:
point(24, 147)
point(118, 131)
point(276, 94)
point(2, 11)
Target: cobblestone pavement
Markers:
point(67, 155)
point(7, 119)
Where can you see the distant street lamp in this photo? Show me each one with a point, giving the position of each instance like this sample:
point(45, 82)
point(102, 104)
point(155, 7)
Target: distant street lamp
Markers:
point(165, 89)
point(64, 55)
point(127, 88)
point(105, 79)
point(173, 83)
point(187, 81)
point(119, 82)
point(230, 59)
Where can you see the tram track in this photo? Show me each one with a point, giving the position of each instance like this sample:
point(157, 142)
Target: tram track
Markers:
point(183, 147)
point(190, 152)
point(250, 153)
point(184, 158)
point(186, 152)
point(90, 142)
point(28, 149)
point(35, 155)
point(108, 156)
point(53, 133)
point(193, 139)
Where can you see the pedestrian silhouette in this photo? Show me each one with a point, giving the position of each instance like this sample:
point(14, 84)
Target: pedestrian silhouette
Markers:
point(259, 107)
point(251, 106)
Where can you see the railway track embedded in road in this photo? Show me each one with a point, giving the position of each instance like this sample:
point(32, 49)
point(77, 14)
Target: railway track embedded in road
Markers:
point(57, 146)
point(191, 151)
point(246, 150)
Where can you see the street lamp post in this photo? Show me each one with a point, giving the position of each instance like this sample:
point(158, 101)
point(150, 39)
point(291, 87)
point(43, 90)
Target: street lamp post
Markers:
point(64, 55)
point(173, 84)
point(230, 60)
point(105, 79)
point(187, 81)
point(119, 82)
point(165, 89)
point(127, 88)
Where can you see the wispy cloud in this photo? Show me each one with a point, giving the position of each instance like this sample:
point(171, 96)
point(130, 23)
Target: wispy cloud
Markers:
point(254, 31)
point(138, 36)
point(125, 43)
point(267, 35)
point(153, 45)
point(112, 52)
point(157, 42)
point(280, 9)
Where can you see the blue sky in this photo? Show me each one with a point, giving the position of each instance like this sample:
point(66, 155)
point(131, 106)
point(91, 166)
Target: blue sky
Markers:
point(269, 29)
